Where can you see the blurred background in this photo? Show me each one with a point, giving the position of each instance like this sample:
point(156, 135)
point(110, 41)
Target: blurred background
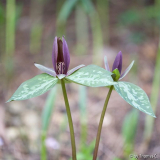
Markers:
point(92, 29)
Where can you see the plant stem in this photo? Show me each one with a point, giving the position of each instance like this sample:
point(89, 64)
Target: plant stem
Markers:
point(46, 117)
point(43, 146)
point(149, 122)
point(10, 37)
point(101, 123)
point(69, 120)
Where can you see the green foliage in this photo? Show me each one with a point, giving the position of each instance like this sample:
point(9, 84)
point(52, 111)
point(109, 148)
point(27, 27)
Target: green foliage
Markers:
point(86, 152)
point(34, 87)
point(103, 8)
point(149, 123)
point(134, 17)
point(92, 76)
point(88, 6)
point(82, 102)
point(10, 26)
point(36, 34)
point(48, 109)
point(19, 8)
point(130, 17)
point(69, 5)
point(137, 37)
point(83, 114)
point(129, 130)
point(13, 12)
point(46, 116)
point(2, 14)
point(81, 22)
point(135, 96)
point(66, 10)
point(37, 26)
point(43, 146)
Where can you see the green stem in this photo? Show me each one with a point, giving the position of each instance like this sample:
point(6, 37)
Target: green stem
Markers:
point(43, 146)
point(69, 120)
point(101, 123)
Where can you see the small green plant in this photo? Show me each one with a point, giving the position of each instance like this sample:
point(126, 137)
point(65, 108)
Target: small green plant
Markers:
point(129, 129)
point(86, 151)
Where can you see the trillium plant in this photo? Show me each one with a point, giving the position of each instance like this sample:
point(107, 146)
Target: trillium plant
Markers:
point(91, 76)
point(131, 93)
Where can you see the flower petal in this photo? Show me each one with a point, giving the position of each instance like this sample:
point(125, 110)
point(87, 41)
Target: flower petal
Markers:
point(126, 71)
point(60, 50)
point(66, 55)
point(118, 62)
point(106, 63)
point(74, 69)
point(54, 53)
point(46, 69)
point(60, 76)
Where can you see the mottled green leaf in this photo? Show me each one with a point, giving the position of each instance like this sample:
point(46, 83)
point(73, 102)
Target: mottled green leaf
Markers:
point(34, 87)
point(92, 76)
point(135, 96)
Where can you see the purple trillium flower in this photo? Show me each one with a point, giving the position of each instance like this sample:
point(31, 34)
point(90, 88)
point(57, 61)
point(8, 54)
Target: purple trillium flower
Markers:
point(60, 60)
point(118, 64)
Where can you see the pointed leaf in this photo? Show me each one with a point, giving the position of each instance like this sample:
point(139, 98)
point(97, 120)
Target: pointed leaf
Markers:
point(34, 87)
point(135, 96)
point(47, 70)
point(92, 76)
point(127, 70)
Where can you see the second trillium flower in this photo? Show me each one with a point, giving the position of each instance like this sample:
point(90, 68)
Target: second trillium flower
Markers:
point(131, 93)
point(117, 67)
point(60, 60)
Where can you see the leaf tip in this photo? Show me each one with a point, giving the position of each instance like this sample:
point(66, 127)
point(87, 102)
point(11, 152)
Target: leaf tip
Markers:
point(154, 116)
point(9, 100)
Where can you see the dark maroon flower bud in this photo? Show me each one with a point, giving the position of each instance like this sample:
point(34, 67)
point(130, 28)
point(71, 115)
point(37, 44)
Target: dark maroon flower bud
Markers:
point(60, 56)
point(60, 60)
point(118, 62)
